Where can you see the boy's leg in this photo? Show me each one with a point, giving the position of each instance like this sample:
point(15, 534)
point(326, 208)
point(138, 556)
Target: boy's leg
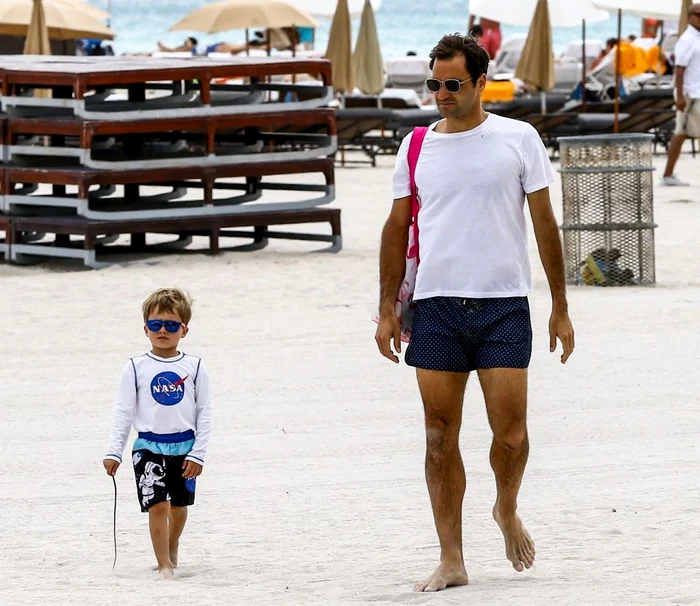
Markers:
point(178, 517)
point(158, 516)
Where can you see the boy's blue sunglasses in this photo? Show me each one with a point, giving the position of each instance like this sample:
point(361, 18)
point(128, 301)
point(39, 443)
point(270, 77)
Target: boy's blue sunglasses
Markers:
point(170, 325)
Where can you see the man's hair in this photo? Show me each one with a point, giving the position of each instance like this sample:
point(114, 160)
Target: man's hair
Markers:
point(193, 40)
point(477, 30)
point(169, 300)
point(611, 42)
point(452, 45)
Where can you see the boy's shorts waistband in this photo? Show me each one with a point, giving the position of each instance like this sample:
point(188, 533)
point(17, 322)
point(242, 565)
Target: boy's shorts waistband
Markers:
point(167, 438)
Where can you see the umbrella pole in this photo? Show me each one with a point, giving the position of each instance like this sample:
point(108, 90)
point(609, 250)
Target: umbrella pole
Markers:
point(269, 47)
point(662, 61)
point(247, 42)
point(543, 102)
point(583, 66)
point(616, 128)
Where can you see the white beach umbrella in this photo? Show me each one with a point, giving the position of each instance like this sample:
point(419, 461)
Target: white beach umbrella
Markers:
point(562, 13)
point(645, 9)
point(326, 8)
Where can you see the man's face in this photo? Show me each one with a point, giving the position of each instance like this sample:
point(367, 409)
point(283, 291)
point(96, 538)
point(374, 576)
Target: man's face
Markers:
point(694, 16)
point(456, 105)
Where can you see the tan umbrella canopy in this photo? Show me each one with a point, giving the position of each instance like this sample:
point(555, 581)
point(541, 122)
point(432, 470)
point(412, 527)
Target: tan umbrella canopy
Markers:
point(536, 65)
point(683, 21)
point(339, 49)
point(369, 67)
point(89, 9)
point(65, 19)
point(243, 14)
point(37, 41)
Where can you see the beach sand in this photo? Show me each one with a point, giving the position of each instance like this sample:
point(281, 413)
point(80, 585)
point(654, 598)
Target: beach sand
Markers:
point(313, 492)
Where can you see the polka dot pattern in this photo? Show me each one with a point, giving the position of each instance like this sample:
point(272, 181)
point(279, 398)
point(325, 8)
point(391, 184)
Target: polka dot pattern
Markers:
point(461, 335)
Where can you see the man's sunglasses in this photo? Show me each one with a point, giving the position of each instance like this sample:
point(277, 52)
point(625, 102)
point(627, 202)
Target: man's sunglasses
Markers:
point(170, 325)
point(452, 85)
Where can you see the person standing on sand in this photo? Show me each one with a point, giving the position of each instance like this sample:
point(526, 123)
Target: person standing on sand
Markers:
point(687, 93)
point(473, 174)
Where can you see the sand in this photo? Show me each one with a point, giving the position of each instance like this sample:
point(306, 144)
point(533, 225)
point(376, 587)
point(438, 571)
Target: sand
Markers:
point(313, 491)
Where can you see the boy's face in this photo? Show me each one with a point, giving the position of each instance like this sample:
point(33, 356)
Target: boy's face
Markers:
point(164, 340)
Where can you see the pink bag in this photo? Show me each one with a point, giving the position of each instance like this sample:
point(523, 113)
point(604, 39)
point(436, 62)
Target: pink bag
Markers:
point(404, 300)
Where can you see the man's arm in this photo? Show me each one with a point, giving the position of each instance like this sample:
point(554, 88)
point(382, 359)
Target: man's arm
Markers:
point(680, 80)
point(552, 257)
point(392, 254)
point(392, 267)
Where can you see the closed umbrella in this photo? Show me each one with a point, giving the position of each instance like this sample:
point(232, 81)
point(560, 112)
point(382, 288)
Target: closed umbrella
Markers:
point(339, 50)
point(244, 14)
point(369, 67)
point(683, 21)
point(65, 20)
point(37, 41)
point(536, 65)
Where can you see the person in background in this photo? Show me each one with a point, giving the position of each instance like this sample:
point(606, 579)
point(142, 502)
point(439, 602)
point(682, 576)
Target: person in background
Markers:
point(687, 93)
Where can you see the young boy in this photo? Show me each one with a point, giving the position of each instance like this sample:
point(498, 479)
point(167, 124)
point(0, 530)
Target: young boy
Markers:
point(164, 394)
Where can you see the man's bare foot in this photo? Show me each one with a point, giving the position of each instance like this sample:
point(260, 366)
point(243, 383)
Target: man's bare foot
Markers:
point(446, 575)
point(165, 574)
point(520, 548)
point(173, 555)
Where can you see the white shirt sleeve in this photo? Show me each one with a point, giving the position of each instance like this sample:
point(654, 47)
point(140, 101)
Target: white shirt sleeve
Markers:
point(124, 412)
point(537, 172)
point(402, 176)
point(683, 51)
point(203, 415)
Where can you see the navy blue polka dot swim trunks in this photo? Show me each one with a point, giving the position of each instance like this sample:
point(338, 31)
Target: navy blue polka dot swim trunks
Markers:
point(461, 335)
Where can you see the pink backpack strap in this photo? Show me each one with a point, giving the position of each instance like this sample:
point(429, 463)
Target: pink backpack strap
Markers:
point(413, 154)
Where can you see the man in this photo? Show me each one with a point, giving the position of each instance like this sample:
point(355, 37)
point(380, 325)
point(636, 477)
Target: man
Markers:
point(472, 313)
point(687, 93)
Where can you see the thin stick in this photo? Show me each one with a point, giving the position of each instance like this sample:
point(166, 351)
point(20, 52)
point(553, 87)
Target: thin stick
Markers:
point(114, 481)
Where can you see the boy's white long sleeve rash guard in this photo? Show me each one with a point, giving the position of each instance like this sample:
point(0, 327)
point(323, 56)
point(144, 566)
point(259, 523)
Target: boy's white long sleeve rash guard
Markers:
point(161, 398)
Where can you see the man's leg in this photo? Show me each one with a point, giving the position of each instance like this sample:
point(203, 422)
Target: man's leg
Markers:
point(158, 525)
point(178, 517)
point(674, 151)
point(443, 396)
point(505, 392)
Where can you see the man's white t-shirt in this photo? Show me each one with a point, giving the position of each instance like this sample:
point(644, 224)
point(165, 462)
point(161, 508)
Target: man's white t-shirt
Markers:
point(687, 53)
point(472, 228)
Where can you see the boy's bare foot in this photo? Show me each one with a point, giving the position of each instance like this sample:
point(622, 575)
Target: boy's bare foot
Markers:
point(520, 548)
point(446, 575)
point(165, 574)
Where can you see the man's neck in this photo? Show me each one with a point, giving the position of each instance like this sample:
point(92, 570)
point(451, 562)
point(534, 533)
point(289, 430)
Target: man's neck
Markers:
point(463, 123)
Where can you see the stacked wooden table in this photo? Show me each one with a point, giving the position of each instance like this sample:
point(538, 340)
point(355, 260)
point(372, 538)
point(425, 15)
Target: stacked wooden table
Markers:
point(138, 145)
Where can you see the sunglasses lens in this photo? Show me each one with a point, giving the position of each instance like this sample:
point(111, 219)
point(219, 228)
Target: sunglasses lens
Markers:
point(452, 86)
point(433, 85)
point(172, 325)
point(154, 325)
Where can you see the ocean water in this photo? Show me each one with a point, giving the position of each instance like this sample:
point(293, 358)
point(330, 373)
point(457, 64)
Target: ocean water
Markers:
point(403, 25)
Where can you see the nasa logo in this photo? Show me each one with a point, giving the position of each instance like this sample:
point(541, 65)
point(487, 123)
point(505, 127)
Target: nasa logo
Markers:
point(167, 388)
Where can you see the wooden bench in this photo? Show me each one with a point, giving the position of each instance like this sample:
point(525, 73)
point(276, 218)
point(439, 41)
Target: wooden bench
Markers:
point(205, 136)
point(132, 206)
point(214, 227)
point(72, 77)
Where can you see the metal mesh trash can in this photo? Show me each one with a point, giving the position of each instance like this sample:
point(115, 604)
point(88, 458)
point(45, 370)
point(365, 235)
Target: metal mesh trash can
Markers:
point(608, 222)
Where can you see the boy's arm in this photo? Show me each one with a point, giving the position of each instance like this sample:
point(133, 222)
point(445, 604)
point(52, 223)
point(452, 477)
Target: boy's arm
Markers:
point(203, 419)
point(124, 412)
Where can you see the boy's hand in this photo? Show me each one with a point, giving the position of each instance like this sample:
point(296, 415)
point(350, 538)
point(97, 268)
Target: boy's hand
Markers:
point(192, 469)
point(111, 466)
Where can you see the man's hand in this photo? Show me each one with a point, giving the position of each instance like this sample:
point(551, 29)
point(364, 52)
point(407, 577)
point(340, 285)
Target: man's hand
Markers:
point(389, 328)
point(110, 466)
point(560, 327)
point(191, 470)
point(681, 105)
